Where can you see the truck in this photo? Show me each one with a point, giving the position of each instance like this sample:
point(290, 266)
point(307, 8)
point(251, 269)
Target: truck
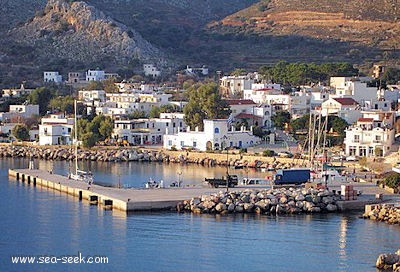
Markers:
point(231, 180)
point(294, 176)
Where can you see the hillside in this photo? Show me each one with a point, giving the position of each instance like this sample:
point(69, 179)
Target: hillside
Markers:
point(77, 34)
point(118, 35)
point(347, 30)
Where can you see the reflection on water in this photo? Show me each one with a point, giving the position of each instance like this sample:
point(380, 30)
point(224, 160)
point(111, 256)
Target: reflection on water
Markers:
point(40, 221)
point(135, 174)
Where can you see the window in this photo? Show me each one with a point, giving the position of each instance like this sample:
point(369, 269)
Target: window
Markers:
point(194, 144)
point(356, 138)
point(182, 143)
point(169, 142)
point(216, 130)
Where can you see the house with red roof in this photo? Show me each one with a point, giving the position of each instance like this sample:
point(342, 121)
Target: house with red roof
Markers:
point(250, 112)
point(345, 108)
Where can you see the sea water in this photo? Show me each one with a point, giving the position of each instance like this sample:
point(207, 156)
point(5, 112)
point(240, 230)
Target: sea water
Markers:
point(42, 223)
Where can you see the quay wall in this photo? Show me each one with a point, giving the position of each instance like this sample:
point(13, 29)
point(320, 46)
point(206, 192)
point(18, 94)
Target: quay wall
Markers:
point(123, 154)
point(63, 185)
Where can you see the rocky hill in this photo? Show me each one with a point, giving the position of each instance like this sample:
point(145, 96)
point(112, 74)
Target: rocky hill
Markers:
point(348, 30)
point(117, 35)
point(70, 34)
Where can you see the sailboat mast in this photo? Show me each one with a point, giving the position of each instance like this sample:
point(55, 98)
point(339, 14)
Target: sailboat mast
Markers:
point(76, 138)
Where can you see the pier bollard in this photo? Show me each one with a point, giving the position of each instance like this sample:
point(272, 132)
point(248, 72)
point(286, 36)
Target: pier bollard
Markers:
point(29, 179)
point(17, 176)
point(34, 181)
point(80, 195)
point(93, 199)
point(23, 177)
point(108, 204)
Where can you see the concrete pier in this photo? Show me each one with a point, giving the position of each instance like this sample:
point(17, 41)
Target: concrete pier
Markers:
point(128, 200)
point(109, 197)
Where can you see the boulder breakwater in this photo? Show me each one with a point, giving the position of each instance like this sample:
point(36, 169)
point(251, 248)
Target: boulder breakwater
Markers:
point(263, 201)
point(144, 155)
point(388, 213)
point(389, 261)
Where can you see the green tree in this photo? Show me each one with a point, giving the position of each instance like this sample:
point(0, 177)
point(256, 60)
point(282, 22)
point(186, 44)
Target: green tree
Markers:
point(238, 72)
point(204, 103)
point(155, 111)
point(391, 76)
point(21, 132)
point(63, 103)
point(106, 128)
point(137, 114)
point(89, 139)
point(95, 85)
point(109, 85)
point(41, 96)
point(302, 73)
point(393, 180)
point(280, 119)
point(338, 125)
point(300, 123)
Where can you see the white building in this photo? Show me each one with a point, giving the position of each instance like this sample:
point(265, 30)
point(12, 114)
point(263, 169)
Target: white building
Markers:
point(19, 112)
point(260, 95)
point(148, 131)
point(52, 77)
point(151, 70)
point(92, 95)
point(254, 114)
point(56, 130)
point(355, 88)
point(234, 86)
point(372, 135)
point(16, 92)
point(95, 75)
point(345, 108)
point(214, 137)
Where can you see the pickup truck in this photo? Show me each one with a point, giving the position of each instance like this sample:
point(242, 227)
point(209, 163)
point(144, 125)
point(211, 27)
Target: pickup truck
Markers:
point(216, 182)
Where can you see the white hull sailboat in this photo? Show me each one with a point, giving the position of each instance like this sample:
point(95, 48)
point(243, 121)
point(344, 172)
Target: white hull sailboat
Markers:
point(79, 175)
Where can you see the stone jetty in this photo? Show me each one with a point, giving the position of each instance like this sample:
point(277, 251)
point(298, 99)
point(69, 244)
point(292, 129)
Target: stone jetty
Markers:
point(263, 201)
point(389, 261)
point(124, 154)
point(389, 213)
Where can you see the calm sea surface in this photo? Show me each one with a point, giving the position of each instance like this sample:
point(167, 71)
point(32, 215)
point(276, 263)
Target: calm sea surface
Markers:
point(40, 222)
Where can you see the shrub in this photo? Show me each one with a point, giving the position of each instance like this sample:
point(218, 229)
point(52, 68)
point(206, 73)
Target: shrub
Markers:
point(393, 180)
point(268, 153)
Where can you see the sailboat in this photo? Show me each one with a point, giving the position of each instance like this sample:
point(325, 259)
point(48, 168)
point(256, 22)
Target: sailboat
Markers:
point(79, 175)
point(326, 173)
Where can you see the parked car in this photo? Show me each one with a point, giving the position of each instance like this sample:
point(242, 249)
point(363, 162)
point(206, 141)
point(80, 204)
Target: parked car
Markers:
point(351, 158)
point(337, 158)
point(285, 154)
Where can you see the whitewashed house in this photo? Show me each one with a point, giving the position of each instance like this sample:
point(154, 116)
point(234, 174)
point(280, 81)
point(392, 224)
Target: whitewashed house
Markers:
point(54, 77)
point(151, 70)
point(234, 86)
point(259, 95)
point(214, 137)
point(372, 135)
point(254, 114)
point(148, 131)
point(355, 88)
point(95, 75)
point(16, 92)
point(92, 95)
point(56, 130)
point(345, 108)
point(18, 113)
